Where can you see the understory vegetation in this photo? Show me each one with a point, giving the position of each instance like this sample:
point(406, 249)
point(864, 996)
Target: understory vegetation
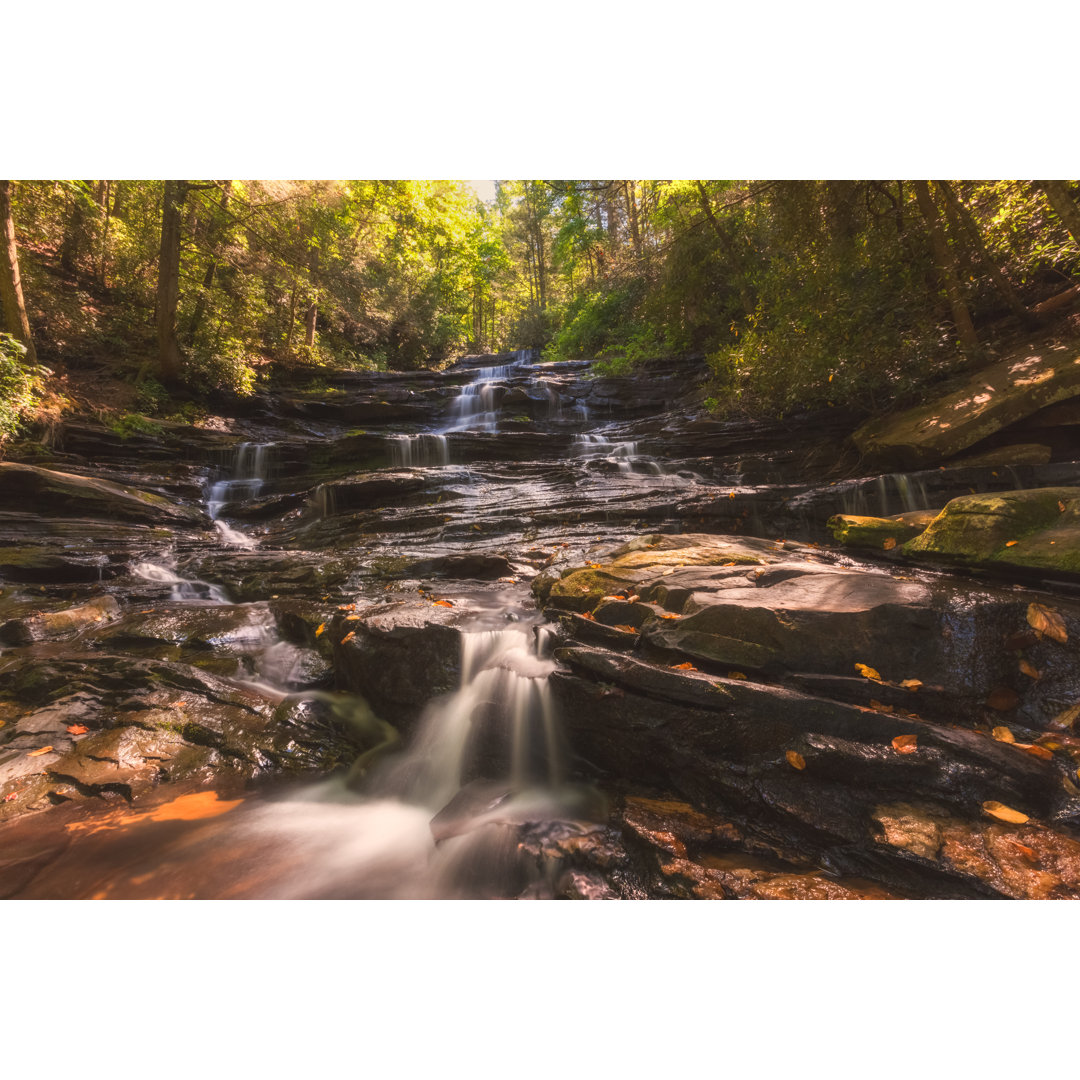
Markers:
point(800, 294)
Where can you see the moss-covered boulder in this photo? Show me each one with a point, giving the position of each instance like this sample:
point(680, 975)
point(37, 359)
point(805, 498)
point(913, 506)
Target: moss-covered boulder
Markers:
point(871, 532)
point(582, 590)
point(1037, 529)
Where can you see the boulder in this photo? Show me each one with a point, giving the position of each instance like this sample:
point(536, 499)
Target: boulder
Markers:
point(988, 401)
point(852, 530)
point(49, 624)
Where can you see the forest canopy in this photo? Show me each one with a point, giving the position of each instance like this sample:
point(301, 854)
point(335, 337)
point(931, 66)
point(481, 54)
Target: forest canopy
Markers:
point(798, 293)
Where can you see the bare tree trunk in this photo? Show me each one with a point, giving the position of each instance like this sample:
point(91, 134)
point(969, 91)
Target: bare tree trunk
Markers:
point(1062, 202)
point(74, 236)
point(632, 215)
point(312, 315)
point(945, 262)
point(961, 220)
point(292, 317)
point(12, 305)
point(211, 270)
point(170, 357)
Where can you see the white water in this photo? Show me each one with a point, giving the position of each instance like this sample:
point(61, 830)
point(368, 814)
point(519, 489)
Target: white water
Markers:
point(476, 408)
point(183, 589)
point(419, 451)
point(627, 455)
point(250, 471)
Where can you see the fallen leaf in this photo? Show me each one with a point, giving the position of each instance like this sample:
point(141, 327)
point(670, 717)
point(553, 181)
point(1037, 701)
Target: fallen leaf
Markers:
point(1066, 718)
point(669, 615)
point(911, 684)
point(1003, 734)
point(38, 753)
point(877, 706)
point(1004, 813)
point(1035, 751)
point(1003, 699)
point(77, 729)
point(1050, 744)
point(1044, 620)
point(867, 672)
point(1011, 543)
point(351, 618)
point(10, 798)
point(348, 637)
point(683, 667)
point(322, 628)
point(1030, 670)
point(889, 543)
point(1061, 507)
point(633, 598)
point(627, 629)
point(346, 607)
point(443, 603)
point(736, 675)
point(905, 744)
point(588, 615)
point(594, 566)
point(1028, 853)
point(795, 759)
point(1069, 786)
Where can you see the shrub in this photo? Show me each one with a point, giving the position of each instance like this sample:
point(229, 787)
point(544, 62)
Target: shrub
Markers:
point(19, 386)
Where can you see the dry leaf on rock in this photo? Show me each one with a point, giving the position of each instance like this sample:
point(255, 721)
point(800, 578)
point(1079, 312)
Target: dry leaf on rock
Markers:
point(1003, 734)
point(1066, 718)
point(867, 672)
point(911, 684)
point(1045, 620)
point(905, 744)
point(77, 729)
point(348, 637)
point(683, 667)
point(795, 759)
point(737, 675)
point(1004, 813)
point(38, 753)
point(1035, 751)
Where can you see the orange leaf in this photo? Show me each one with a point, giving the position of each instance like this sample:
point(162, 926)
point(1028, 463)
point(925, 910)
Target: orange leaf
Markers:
point(878, 707)
point(889, 543)
point(795, 759)
point(1066, 718)
point(683, 667)
point(443, 603)
point(348, 637)
point(1035, 751)
point(351, 618)
point(905, 744)
point(38, 753)
point(322, 627)
point(588, 615)
point(1011, 543)
point(911, 684)
point(346, 607)
point(670, 615)
point(1061, 507)
point(1047, 621)
point(1004, 813)
point(1003, 734)
point(627, 629)
point(867, 672)
point(1028, 853)
point(1030, 670)
point(77, 729)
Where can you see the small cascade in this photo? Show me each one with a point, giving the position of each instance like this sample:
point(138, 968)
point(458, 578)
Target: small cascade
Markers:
point(627, 455)
point(476, 408)
point(323, 501)
point(182, 589)
point(250, 471)
point(884, 496)
point(419, 451)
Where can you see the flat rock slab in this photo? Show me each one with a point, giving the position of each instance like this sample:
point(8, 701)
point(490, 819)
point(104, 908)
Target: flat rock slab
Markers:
point(990, 400)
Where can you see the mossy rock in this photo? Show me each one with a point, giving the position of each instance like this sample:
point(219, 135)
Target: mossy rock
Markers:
point(871, 532)
point(1037, 529)
point(582, 590)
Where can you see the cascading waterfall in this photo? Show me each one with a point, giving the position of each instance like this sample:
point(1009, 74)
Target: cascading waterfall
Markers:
point(182, 589)
point(419, 451)
point(250, 471)
point(476, 406)
point(627, 454)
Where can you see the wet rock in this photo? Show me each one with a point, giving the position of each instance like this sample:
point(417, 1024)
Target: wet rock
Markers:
point(1020, 454)
point(50, 624)
point(988, 401)
point(55, 493)
point(479, 566)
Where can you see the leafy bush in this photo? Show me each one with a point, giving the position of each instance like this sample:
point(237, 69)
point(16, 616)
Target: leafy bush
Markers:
point(225, 367)
point(150, 396)
point(134, 424)
point(19, 386)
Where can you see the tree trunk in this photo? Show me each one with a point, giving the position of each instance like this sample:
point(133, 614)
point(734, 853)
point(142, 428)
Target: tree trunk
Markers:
point(728, 246)
point(632, 214)
point(611, 209)
point(170, 357)
point(292, 317)
point(961, 220)
point(211, 270)
point(106, 209)
point(945, 262)
point(12, 305)
point(312, 316)
point(1062, 202)
point(74, 236)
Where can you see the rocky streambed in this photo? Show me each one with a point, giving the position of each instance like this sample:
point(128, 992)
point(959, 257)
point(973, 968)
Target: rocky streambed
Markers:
point(509, 630)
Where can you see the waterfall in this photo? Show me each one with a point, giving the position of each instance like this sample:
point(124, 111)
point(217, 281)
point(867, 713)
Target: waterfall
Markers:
point(183, 589)
point(477, 405)
point(626, 454)
point(419, 451)
point(250, 471)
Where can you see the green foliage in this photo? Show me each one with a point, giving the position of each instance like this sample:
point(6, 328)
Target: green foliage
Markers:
point(133, 424)
point(150, 396)
point(226, 367)
point(19, 386)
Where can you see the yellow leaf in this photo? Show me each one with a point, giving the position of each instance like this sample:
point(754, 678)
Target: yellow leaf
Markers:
point(348, 637)
point(322, 628)
point(889, 543)
point(1004, 813)
point(795, 759)
point(351, 618)
point(37, 753)
point(736, 675)
point(669, 615)
point(905, 744)
point(911, 684)
point(1066, 718)
point(1003, 734)
point(1045, 620)
point(867, 672)
point(1030, 670)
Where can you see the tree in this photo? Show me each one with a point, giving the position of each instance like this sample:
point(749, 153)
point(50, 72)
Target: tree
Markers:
point(11, 294)
point(1058, 196)
point(170, 357)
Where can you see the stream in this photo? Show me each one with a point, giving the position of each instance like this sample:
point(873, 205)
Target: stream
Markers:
point(331, 671)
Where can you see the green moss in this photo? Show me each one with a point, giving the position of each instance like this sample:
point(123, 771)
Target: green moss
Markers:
point(870, 532)
point(582, 590)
